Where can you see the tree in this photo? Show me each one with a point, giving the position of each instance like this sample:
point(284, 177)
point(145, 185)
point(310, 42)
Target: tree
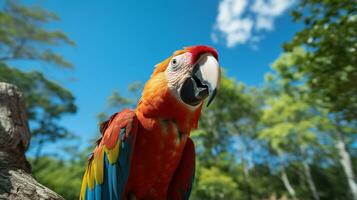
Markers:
point(24, 38)
point(290, 128)
point(337, 127)
point(329, 67)
point(16, 181)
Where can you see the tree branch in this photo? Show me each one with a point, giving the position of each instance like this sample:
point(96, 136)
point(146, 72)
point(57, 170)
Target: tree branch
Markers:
point(16, 182)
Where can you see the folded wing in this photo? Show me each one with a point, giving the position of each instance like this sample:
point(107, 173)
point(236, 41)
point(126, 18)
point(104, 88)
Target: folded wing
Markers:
point(108, 168)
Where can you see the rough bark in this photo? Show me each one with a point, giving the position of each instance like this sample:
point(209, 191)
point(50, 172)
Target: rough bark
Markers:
point(16, 182)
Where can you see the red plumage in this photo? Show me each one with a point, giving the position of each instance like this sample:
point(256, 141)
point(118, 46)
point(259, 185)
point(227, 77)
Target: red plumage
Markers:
point(160, 156)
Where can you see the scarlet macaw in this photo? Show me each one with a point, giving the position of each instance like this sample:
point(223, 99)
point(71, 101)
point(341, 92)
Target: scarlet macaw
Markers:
point(146, 153)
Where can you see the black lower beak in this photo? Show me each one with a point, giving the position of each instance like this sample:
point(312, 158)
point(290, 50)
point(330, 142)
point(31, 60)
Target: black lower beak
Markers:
point(213, 95)
point(193, 91)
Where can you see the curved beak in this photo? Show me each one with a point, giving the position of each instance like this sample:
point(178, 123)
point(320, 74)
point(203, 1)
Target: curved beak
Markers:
point(208, 72)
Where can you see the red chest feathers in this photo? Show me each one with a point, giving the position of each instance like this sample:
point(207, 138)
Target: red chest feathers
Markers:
point(157, 153)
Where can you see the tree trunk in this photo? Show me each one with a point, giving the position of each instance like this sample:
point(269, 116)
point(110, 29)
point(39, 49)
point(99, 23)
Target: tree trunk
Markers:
point(310, 181)
point(16, 182)
point(285, 179)
point(307, 174)
point(345, 158)
point(345, 161)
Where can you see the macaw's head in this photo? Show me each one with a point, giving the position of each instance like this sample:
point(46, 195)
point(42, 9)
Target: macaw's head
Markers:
point(179, 86)
point(193, 74)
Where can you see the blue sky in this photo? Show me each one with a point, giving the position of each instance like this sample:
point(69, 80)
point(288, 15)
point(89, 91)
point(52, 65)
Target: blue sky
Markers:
point(118, 42)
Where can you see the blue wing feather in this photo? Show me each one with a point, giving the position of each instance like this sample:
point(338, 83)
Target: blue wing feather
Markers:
point(115, 176)
point(98, 192)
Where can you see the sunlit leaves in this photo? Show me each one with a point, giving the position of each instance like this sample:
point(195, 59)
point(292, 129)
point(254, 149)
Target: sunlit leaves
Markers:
point(215, 184)
point(23, 36)
point(289, 123)
point(329, 67)
point(62, 176)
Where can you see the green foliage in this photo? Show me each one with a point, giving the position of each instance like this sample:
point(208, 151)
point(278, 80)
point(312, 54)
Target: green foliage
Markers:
point(331, 182)
point(45, 100)
point(62, 176)
point(24, 38)
point(213, 184)
point(287, 127)
point(319, 67)
point(329, 68)
point(116, 102)
point(232, 113)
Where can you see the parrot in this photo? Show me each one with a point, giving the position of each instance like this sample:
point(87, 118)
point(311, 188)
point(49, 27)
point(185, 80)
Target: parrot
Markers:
point(146, 153)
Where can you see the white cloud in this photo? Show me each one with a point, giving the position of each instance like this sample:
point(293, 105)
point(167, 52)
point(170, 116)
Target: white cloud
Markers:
point(264, 23)
point(242, 21)
point(267, 11)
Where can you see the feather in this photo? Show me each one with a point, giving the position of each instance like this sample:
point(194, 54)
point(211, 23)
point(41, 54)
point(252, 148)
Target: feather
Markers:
point(181, 184)
point(108, 168)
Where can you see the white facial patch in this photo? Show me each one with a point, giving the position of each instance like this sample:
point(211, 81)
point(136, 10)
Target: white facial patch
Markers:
point(178, 68)
point(177, 71)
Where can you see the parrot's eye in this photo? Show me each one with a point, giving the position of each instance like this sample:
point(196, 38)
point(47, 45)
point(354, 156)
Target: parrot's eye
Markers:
point(175, 64)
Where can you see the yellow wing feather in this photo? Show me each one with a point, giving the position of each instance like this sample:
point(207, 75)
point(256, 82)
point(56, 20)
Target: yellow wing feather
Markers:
point(112, 153)
point(94, 172)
